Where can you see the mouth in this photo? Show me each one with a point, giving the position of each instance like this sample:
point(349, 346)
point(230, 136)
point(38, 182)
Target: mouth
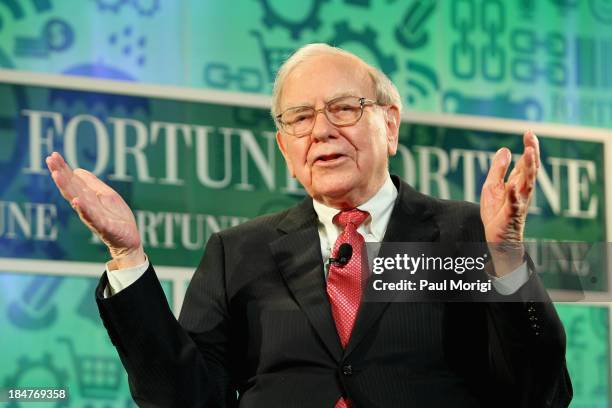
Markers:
point(329, 159)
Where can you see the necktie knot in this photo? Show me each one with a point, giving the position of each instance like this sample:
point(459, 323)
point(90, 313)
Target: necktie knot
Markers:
point(355, 217)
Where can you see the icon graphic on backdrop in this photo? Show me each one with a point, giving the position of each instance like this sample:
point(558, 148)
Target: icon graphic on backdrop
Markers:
point(310, 20)
point(273, 57)
point(344, 34)
point(358, 3)
point(593, 62)
point(34, 309)
point(463, 52)
point(411, 33)
point(527, 8)
point(565, 6)
point(602, 10)
point(498, 105)
point(34, 373)
point(531, 41)
point(422, 88)
point(56, 36)
point(145, 8)
point(111, 5)
point(221, 76)
point(479, 50)
point(527, 66)
point(97, 70)
point(130, 44)
point(97, 376)
point(17, 12)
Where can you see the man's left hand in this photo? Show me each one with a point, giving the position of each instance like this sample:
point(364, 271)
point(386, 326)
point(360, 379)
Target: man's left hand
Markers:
point(504, 205)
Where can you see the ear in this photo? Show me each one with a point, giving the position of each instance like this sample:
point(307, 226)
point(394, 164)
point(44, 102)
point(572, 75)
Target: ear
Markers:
point(392, 119)
point(283, 149)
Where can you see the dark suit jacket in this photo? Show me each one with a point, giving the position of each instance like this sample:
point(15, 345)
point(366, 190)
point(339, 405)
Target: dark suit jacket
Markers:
point(256, 321)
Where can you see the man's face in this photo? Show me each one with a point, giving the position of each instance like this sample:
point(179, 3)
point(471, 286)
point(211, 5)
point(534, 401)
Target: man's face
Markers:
point(339, 166)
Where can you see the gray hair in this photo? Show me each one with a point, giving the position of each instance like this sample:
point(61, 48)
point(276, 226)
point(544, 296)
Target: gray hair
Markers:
point(386, 91)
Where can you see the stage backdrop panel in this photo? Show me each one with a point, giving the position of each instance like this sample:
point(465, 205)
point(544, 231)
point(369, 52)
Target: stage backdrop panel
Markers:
point(536, 60)
point(190, 165)
point(52, 336)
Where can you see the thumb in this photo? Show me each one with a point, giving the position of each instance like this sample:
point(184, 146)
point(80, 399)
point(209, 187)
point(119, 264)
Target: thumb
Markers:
point(499, 167)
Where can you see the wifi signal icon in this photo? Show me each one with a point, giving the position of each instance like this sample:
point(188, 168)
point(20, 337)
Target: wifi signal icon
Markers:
point(428, 75)
point(17, 12)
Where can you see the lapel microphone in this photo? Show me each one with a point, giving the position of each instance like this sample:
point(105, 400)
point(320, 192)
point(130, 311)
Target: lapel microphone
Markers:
point(345, 252)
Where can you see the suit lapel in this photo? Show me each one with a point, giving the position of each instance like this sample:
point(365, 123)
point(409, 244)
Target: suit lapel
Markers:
point(298, 256)
point(412, 220)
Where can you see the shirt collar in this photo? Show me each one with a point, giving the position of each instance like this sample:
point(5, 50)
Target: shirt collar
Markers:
point(381, 203)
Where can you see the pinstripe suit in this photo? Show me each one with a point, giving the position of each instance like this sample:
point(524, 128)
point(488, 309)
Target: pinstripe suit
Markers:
point(256, 320)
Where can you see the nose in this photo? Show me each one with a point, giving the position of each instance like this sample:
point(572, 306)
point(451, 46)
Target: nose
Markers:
point(322, 128)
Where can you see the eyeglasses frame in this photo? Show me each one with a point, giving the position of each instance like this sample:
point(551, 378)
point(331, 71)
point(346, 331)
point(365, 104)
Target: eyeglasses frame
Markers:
point(363, 102)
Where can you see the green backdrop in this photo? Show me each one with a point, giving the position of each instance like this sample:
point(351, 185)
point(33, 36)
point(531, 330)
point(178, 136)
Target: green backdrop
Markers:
point(542, 61)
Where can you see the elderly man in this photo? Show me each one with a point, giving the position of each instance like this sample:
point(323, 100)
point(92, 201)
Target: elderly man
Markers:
point(268, 322)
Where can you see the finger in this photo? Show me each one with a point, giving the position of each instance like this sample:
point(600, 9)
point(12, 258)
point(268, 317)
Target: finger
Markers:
point(62, 175)
point(531, 140)
point(527, 174)
point(524, 163)
point(55, 163)
point(65, 184)
point(499, 167)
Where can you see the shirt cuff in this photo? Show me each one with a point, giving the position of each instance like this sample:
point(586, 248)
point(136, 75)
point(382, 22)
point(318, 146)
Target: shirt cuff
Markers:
point(510, 283)
point(119, 279)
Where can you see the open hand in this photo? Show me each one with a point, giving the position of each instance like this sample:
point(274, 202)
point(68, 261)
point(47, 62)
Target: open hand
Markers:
point(101, 209)
point(504, 205)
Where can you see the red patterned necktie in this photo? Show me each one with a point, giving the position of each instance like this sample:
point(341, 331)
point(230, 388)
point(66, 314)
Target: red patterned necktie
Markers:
point(344, 281)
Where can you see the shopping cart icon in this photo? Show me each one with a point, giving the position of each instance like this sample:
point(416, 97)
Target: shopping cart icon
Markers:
point(273, 57)
point(98, 377)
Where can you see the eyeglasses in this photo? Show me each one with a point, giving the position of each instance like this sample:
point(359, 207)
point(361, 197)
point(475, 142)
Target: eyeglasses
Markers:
point(343, 111)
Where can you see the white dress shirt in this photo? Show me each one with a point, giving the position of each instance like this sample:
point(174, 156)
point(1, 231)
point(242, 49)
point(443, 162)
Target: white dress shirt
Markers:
point(373, 230)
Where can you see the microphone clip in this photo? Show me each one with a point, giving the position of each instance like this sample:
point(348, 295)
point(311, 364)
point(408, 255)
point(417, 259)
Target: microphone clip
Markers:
point(344, 255)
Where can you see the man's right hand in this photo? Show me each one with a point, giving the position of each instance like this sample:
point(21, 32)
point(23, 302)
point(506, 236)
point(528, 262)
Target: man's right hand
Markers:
point(101, 209)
